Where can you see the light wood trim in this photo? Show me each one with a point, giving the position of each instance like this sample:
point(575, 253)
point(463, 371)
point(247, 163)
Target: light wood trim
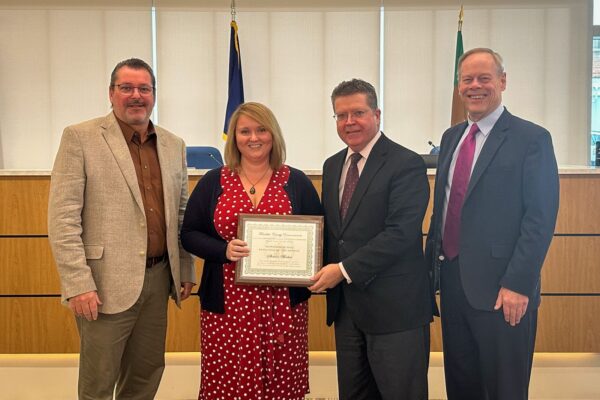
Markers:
point(317, 181)
point(579, 211)
point(436, 330)
point(572, 265)
point(429, 211)
point(192, 182)
point(565, 324)
point(183, 333)
point(320, 336)
point(183, 327)
point(37, 325)
point(43, 325)
point(569, 324)
point(27, 267)
point(199, 263)
point(24, 205)
point(26, 198)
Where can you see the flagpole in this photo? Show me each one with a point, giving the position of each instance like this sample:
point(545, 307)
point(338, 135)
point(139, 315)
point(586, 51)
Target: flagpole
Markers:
point(235, 89)
point(458, 113)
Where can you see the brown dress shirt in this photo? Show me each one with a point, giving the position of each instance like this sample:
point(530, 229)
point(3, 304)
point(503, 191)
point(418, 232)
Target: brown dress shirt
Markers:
point(147, 169)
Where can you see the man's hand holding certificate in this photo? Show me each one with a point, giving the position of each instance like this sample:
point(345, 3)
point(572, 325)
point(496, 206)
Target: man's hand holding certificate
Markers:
point(282, 250)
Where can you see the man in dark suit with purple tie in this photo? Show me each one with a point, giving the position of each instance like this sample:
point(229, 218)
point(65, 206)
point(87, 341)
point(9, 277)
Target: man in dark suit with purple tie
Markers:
point(495, 207)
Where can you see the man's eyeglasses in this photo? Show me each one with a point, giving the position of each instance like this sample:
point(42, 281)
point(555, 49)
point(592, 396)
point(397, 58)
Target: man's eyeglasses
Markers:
point(126, 88)
point(343, 117)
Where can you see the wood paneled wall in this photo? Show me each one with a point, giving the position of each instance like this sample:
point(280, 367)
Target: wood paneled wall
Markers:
point(34, 321)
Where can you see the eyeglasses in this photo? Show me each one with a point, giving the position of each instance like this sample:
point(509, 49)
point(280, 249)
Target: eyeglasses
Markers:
point(128, 89)
point(343, 117)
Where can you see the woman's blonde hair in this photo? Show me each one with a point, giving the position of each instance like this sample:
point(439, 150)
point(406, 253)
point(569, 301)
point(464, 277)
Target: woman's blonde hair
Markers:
point(264, 116)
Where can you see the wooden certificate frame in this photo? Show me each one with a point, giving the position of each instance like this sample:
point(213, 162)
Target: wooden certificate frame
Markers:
point(285, 250)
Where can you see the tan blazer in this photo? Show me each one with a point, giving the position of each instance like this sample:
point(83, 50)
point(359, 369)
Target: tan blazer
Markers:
point(96, 220)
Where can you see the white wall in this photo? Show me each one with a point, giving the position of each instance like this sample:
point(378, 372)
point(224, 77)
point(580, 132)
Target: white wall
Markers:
point(547, 54)
point(291, 61)
point(55, 70)
point(56, 60)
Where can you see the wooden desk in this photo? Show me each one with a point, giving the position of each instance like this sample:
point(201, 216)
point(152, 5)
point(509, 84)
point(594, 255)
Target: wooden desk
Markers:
point(34, 321)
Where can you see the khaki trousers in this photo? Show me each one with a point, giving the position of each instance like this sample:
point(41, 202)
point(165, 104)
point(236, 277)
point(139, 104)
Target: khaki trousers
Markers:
point(127, 349)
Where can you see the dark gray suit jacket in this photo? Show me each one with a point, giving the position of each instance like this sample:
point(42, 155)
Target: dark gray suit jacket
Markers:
point(380, 242)
point(509, 212)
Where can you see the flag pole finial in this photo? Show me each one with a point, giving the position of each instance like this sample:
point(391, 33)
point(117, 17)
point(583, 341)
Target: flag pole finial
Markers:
point(461, 15)
point(233, 10)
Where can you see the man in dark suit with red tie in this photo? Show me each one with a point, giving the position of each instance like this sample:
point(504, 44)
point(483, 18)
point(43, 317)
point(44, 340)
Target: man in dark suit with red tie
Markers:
point(495, 207)
point(375, 193)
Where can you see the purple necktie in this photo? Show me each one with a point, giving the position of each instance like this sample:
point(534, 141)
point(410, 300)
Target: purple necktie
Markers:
point(350, 184)
point(460, 183)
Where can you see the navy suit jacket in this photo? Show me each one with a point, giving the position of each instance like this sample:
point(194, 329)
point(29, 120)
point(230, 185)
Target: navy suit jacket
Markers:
point(380, 242)
point(508, 215)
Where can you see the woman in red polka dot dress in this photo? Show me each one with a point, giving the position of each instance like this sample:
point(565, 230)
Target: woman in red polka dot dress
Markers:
point(254, 339)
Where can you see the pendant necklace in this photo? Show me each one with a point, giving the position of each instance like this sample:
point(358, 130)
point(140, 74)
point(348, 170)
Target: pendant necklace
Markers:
point(252, 188)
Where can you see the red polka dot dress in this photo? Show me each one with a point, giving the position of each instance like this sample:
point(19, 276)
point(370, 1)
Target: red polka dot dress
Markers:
point(257, 349)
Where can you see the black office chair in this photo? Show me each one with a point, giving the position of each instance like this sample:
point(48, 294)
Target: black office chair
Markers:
point(203, 157)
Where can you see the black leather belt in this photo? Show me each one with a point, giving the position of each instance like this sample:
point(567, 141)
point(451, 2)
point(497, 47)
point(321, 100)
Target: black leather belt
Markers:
point(152, 261)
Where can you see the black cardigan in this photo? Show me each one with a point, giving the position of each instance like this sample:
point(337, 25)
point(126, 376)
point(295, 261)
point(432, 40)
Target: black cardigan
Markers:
point(199, 236)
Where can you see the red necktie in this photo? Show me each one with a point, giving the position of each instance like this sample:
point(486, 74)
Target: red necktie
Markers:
point(350, 184)
point(460, 183)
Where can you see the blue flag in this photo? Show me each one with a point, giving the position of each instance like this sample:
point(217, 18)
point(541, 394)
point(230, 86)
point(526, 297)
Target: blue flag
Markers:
point(236, 83)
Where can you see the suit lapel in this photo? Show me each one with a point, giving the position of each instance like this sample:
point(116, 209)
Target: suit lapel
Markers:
point(164, 160)
point(374, 163)
point(116, 142)
point(491, 146)
point(334, 187)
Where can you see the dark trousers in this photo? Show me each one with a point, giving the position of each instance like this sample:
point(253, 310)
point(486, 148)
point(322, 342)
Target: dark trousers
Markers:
point(484, 357)
point(391, 366)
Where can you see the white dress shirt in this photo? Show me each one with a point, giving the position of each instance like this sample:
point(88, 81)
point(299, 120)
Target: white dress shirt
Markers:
point(485, 125)
point(361, 165)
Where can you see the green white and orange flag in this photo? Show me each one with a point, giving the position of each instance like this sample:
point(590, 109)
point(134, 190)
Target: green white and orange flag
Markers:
point(459, 114)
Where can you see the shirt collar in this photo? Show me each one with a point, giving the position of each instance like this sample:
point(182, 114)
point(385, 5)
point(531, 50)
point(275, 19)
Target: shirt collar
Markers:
point(367, 150)
point(487, 123)
point(129, 131)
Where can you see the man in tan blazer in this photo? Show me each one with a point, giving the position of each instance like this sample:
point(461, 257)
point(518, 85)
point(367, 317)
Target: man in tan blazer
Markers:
point(117, 198)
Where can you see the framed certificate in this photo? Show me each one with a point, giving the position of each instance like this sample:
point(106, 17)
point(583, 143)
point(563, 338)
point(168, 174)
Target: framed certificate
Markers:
point(285, 250)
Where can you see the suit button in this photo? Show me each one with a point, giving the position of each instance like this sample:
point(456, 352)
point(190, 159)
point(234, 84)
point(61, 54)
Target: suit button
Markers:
point(441, 257)
point(142, 253)
point(340, 242)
